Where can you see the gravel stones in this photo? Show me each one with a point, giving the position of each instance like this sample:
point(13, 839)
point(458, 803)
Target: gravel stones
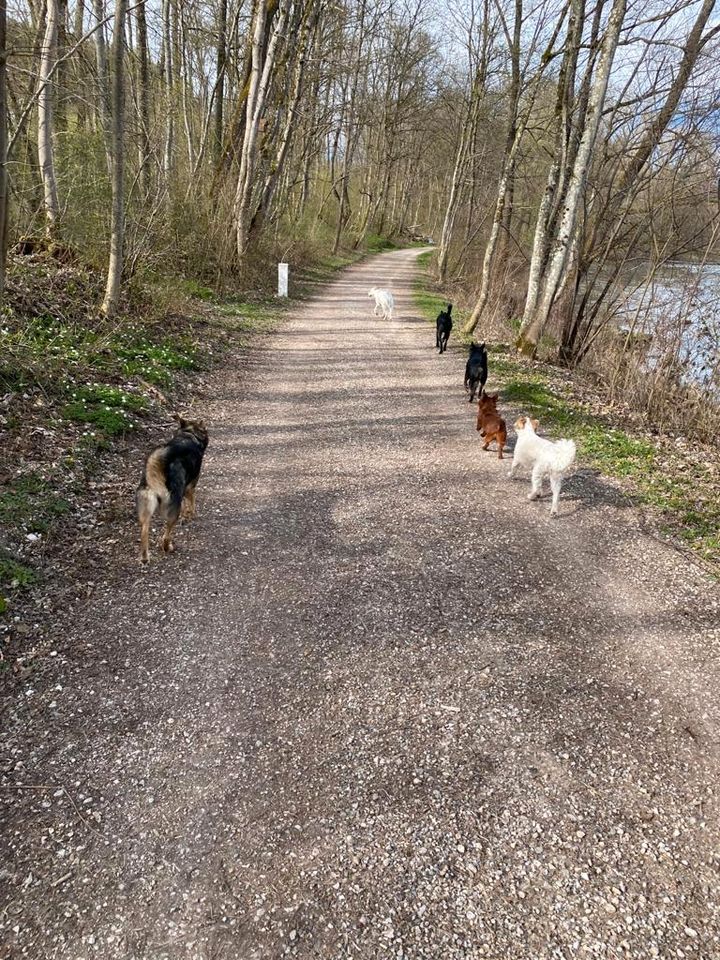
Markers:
point(378, 705)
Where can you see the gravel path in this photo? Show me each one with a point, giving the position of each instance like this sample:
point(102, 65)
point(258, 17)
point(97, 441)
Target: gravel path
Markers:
point(378, 705)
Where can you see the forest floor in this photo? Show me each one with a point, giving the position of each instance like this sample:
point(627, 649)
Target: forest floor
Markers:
point(378, 704)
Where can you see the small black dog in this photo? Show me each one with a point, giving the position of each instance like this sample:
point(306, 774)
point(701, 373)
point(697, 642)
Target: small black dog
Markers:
point(444, 326)
point(169, 480)
point(476, 370)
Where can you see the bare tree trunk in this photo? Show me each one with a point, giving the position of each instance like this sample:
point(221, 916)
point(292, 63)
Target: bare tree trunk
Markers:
point(220, 94)
point(466, 145)
point(454, 198)
point(117, 223)
point(615, 210)
point(516, 127)
point(257, 94)
point(538, 309)
point(103, 92)
point(169, 148)
point(79, 18)
point(351, 133)
point(3, 145)
point(46, 156)
point(143, 97)
point(61, 72)
point(278, 166)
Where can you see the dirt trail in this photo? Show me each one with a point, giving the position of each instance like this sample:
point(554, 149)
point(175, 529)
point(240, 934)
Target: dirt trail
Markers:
point(378, 704)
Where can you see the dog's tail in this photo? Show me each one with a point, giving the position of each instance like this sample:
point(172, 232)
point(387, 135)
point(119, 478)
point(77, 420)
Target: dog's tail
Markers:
point(563, 456)
point(176, 481)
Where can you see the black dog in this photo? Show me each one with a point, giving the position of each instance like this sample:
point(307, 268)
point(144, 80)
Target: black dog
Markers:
point(476, 370)
point(169, 480)
point(444, 326)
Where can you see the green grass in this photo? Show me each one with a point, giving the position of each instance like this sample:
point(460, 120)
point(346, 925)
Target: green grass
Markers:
point(29, 503)
point(682, 492)
point(104, 407)
point(430, 300)
point(14, 576)
point(374, 243)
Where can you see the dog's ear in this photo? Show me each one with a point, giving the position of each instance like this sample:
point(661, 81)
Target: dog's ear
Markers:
point(535, 423)
point(482, 345)
point(183, 423)
point(520, 423)
point(201, 424)
point(492, 396)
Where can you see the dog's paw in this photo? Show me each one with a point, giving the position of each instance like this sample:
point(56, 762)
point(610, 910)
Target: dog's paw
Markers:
point(533, 496)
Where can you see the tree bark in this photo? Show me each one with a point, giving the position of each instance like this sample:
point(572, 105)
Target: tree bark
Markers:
point(143, 97)
point(261, 72)
point(117, 224)
point(46, 155)
point(220, 91)
point(278, 165)
point(103, 104)
point(542, 296)
point(167, 46)
point(3, 146)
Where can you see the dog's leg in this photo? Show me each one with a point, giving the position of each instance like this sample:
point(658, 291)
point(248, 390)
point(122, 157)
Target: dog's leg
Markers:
point(146, 505)
point(173, 515)
point(536, 487)
point(188, 505)
point(555, 485)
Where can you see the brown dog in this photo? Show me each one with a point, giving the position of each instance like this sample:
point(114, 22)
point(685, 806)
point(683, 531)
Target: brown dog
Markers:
point(489, 422)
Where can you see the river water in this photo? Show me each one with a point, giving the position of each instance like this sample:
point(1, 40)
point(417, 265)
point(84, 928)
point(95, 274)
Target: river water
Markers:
point(678, 307)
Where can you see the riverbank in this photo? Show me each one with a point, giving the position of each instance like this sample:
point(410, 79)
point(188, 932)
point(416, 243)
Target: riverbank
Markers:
point(672, 480)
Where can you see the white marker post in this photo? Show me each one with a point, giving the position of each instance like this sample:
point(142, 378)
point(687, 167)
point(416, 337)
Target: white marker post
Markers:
point(283, 274)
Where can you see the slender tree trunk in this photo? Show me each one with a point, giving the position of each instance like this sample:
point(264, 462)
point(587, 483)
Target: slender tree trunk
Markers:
point(278, 165)
point(513, 137)
point(143, 97)
point(3, 146)
point(61, 91)
point(255, 104)
point(79, 18)
point(344, 213)
point(220, 94)
point(169, 148)
point(537, 313)
point(103, 93)
point(608, 220)
point(117, 224)
point(46, 154)
point(466, 144)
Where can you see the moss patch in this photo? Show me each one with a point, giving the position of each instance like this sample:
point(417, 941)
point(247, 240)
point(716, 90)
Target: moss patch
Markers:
point(29, 503)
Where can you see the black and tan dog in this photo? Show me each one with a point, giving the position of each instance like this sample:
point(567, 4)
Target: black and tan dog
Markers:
point(169, 480)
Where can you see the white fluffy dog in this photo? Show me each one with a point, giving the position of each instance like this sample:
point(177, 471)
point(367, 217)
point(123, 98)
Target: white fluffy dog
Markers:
point(546, 458)
point(383, 300)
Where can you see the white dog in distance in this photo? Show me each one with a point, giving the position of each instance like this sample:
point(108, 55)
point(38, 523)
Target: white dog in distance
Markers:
point(383, 300)
point(546, 458)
